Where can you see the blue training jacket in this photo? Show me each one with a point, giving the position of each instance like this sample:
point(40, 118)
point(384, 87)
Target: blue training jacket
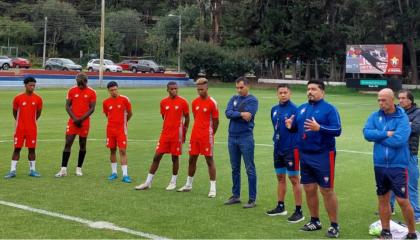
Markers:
point(327, 117)
point(389, 151)
point(237, 104)
point(283, 139)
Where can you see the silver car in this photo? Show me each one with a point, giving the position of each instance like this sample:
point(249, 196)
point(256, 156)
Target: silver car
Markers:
point(146, 66)
point(5, 62)
point(62, 64)
point(109, 66)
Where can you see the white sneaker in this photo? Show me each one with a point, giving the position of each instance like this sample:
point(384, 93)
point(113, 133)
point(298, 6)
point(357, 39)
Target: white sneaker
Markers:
point(143, 186)
point(79, 172)
point(61, 173)
point(185, 188)
point(212, 194)
point(171, 186)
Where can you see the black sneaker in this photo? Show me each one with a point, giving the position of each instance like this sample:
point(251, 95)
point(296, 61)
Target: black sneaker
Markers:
point(296, 217)
point(411, 236)
point(311, 226)
point(386, 235)
point(233, 200)
point(333, 232)
point(278, 211)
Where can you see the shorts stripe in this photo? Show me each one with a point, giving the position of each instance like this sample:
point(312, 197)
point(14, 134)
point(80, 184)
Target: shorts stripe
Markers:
point(406, 183)
point(296, 157)
point(332, 166)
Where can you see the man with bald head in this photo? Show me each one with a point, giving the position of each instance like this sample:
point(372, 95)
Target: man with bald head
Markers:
point(389, 129)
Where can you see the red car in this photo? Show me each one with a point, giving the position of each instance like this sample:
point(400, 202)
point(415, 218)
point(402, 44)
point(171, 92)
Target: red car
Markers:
point(125, 64)
point(21, 63)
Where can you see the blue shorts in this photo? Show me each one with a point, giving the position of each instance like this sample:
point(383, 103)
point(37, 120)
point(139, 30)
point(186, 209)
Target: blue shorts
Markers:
point(317, 168)
point(394, 179)
point(287, 162)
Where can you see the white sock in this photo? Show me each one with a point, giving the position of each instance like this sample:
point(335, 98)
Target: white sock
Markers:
point(149, 178)
point(213, 186)
point(64, 169)
point(173, 179)
point(32, 165)
point(114, 167)
point(13, 165)
point(124, 170)
point(189, 181)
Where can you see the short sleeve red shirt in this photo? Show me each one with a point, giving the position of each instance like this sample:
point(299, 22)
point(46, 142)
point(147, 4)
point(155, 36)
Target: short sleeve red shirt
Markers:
point(81, 99)
point(173, 111)
point(27, 107)
point(116, 110)
point(204, 111)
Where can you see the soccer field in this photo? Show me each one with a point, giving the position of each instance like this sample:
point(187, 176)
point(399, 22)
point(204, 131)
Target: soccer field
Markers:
point(172, 214)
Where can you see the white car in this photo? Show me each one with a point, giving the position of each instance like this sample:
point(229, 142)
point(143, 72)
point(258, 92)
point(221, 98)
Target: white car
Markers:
point(5, 62)
point(109, 66)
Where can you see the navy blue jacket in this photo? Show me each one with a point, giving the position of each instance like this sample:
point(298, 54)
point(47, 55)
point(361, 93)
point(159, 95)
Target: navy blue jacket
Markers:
point(283, 139)
point(389, 151)
point(237, 104)
point(327, 117)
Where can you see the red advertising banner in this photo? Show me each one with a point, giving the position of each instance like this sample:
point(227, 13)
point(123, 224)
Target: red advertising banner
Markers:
point(374, 59)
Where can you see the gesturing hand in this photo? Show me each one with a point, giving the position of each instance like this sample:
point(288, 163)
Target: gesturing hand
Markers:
point(247, 116)
point(288, 121)
point(311, 125)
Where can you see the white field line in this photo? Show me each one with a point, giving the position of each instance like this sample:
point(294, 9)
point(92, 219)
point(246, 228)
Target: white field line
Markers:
point(151, 140)
point(89, 223)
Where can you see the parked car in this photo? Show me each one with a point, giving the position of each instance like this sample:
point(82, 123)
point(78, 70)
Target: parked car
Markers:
point(62, 64)
point(125, 64)
point(21, 63)
point(146, 66)
point(5, 62)
point(109, 66)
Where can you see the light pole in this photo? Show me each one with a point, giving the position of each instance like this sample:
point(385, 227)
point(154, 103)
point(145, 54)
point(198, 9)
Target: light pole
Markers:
point(179, 38)
point(102, 44)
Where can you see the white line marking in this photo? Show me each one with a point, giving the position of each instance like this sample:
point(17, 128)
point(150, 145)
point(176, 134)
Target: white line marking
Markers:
point(89, 223)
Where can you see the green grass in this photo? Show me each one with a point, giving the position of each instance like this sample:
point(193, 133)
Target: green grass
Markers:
point(172, 214)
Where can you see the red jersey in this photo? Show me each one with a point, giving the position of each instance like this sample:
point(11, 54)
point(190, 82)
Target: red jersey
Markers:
point(173, 111)
point(204, 111)
point(80, 100)
point(27, 107)
point(116, 110)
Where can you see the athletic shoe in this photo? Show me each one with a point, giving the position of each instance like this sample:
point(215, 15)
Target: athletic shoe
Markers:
point(11, 174)
point(233, 200)
point(278, 211)
point(113, 176)
point(143, 186)
point(61, 173)
point(185, 188)
point(126, 179)
point(311, 226)
point(250, 204)
point(212, 194)
point(171, 186)
point(385, 235)
point(333, 232)
point(79, 172)
point(296, 217)
point(34, 173)
point(411, 236)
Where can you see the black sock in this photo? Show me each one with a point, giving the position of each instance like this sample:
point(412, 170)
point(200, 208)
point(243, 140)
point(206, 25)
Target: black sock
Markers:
point(65, 159)
point(81, 158)
point(386, 230)
point(280, 204)
point(298, 208)
point(314, 219)
point(334, 225)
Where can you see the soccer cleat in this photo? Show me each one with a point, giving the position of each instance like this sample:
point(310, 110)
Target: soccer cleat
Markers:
point(385, 235)
point(212, 194)
point(143, 186)
point(11, 174)
point(411, 236)
point(296, 217)
point(34, 173)
point(233, 200)
point(311, 226)
point(79, 172)
point(333, 232)
point(250, 204)
point(171, 186)
point(113, 176)
point(61, 173)
point(126, 179)
point(278, 211)
point(185, 188)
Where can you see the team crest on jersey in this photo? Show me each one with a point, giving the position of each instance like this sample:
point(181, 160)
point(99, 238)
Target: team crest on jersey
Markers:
point(198, 107)
point(403, 189)
point(302, 111)
point(24, 103)
point(176, 107)
point(167, 107)
point(205, 110)
point(380, 119)
point(33, 103)
point(274, 113)
point(119, 106)
point(290, 164)
point(326, 179)
point(86, 96)
point(110, 107)
point(77, 95)
point(235, 103)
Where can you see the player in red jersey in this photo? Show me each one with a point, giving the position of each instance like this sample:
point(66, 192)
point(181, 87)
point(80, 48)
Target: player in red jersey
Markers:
point(175, 114)
point(80, 104)
point(27, 109)
point(117, 109)
point(206, 122)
